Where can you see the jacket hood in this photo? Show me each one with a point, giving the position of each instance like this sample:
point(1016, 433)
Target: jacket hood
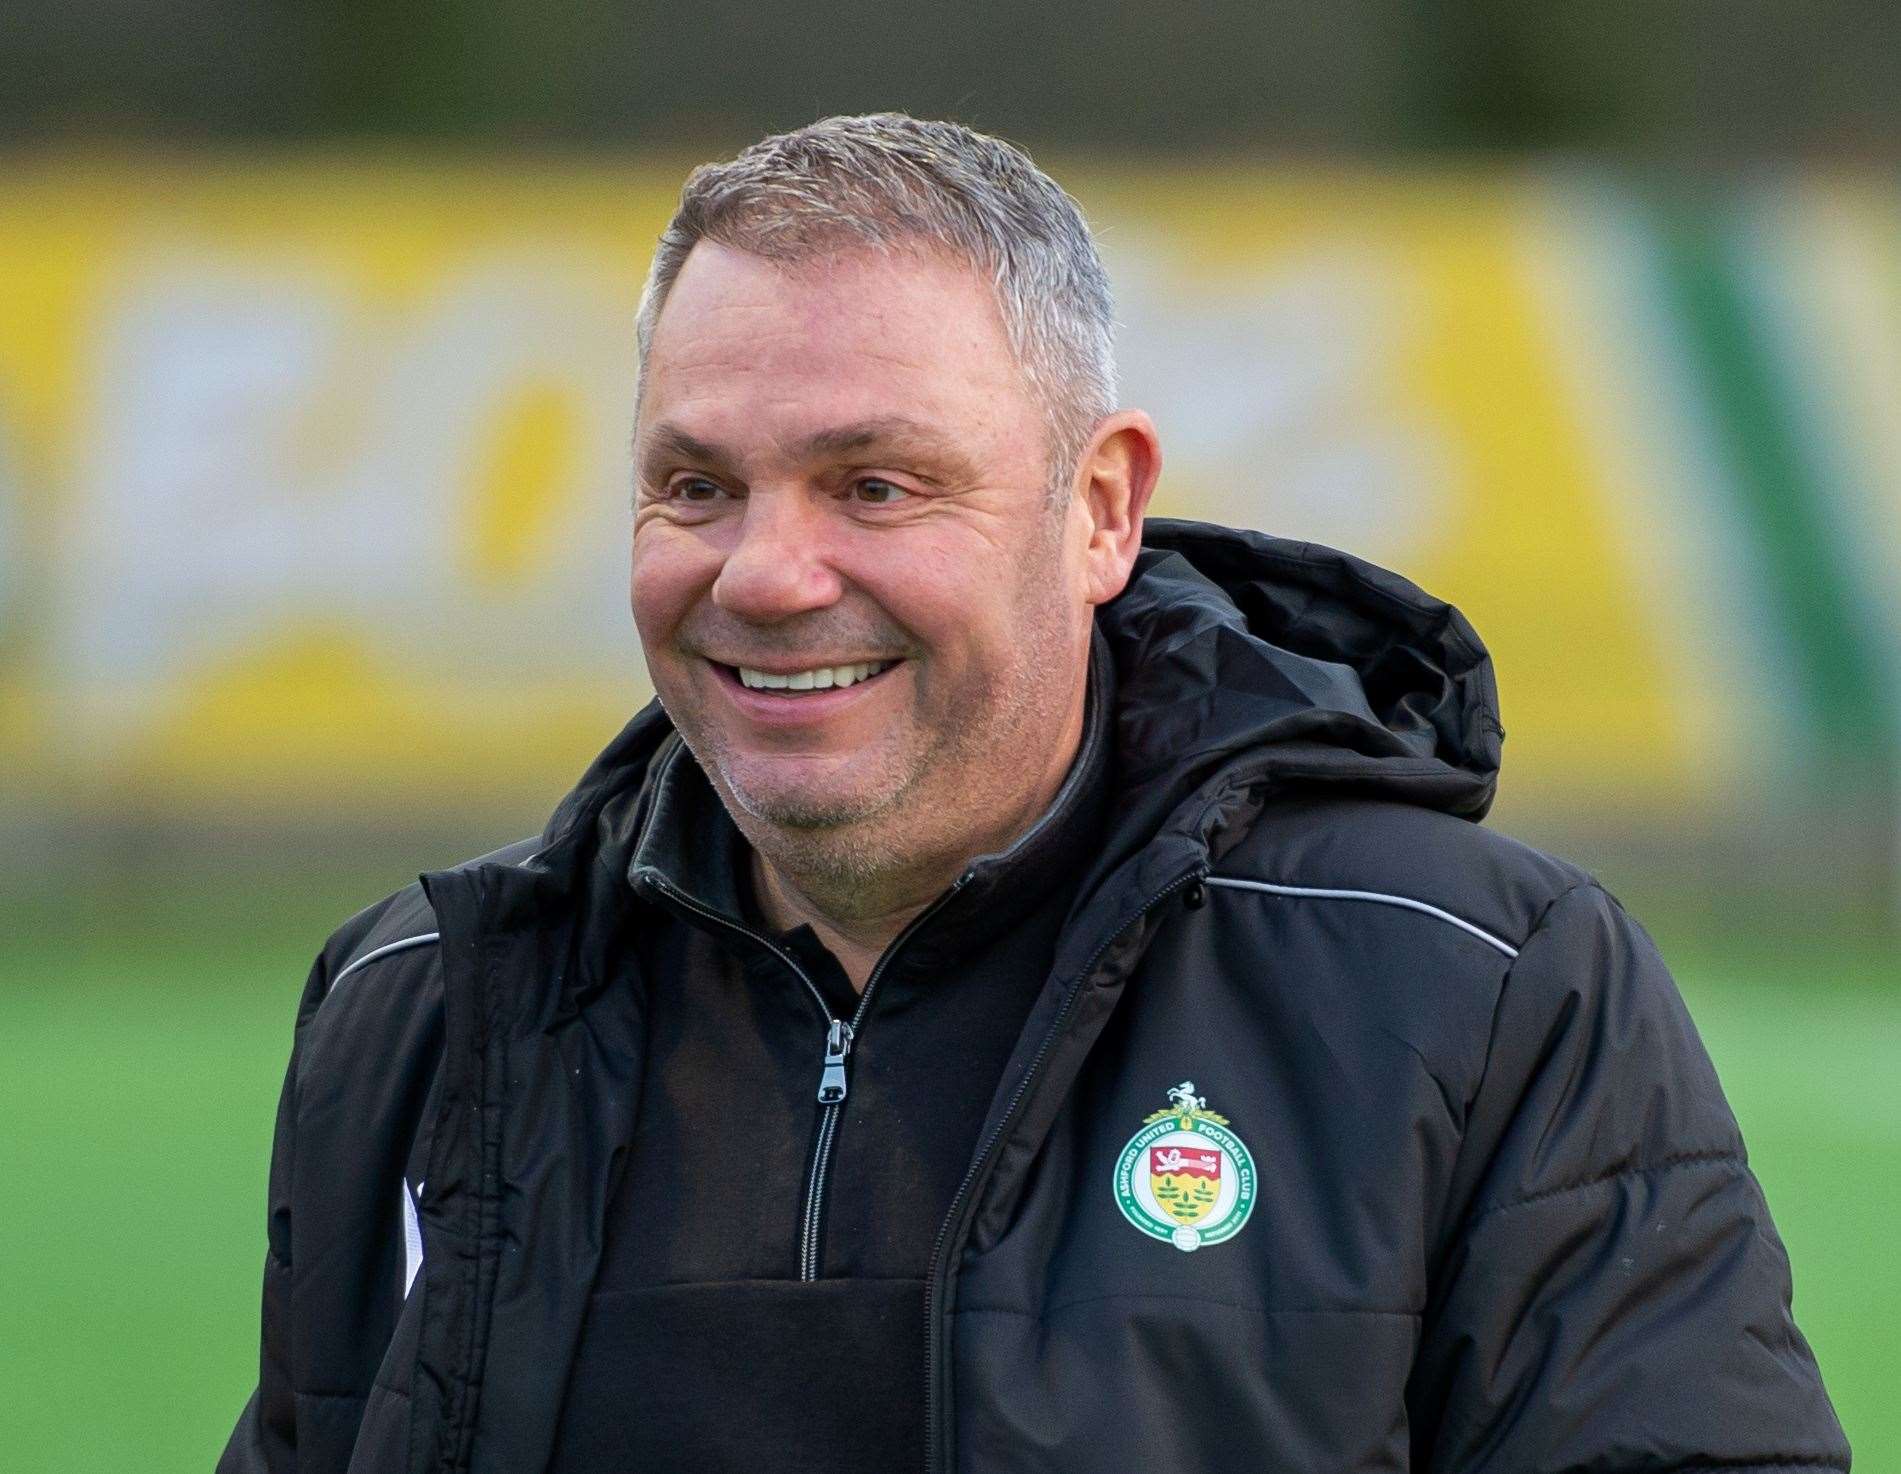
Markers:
point(1272, 662)
point(1315, 666)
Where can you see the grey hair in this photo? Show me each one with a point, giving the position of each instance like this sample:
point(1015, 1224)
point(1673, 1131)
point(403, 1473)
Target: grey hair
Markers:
point(891, 181)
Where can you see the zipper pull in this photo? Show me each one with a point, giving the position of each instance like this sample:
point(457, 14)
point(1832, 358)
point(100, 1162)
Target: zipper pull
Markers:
point(831, 1085)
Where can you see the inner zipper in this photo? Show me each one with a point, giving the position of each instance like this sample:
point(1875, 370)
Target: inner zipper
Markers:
point(840, 1035)
point(833, 1086)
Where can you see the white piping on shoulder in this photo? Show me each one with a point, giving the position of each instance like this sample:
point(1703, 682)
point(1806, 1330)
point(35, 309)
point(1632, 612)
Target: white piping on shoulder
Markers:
point(1406, 902)
point(400, 945)
point(412, 1237)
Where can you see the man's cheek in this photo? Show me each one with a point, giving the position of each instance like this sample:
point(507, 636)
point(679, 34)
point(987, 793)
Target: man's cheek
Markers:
point(659, 603)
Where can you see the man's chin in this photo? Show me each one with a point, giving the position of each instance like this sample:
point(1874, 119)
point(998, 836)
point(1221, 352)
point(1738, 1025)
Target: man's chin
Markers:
point(803, 807)
point(807, 816)
point(808, 798)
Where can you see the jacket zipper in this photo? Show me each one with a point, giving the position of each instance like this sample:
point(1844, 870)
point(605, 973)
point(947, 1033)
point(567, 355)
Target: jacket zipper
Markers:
point(939, 1271)
point(839, 1038)
point(832, 1087)
point(815, 1180)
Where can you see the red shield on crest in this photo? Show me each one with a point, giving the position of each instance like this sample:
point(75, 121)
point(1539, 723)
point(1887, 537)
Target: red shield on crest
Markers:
point(1172, 1161)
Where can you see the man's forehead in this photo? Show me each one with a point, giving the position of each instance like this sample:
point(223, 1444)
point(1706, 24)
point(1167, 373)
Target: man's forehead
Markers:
point(876, 351)
point(872, 292)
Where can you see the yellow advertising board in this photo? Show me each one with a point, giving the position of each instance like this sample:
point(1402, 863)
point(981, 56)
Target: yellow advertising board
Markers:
point(316, 474)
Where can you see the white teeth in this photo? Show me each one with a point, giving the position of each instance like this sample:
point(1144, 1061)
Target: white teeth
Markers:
point(819, 678)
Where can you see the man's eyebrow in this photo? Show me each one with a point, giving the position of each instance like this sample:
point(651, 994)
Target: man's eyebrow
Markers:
point(888, 432)
point(670, 442)
point(891, 433)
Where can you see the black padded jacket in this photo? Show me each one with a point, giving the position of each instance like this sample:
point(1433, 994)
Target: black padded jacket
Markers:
point(1462, 1192)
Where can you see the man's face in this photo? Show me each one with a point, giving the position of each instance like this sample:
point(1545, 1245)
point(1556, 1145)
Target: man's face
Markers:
point(842, 478)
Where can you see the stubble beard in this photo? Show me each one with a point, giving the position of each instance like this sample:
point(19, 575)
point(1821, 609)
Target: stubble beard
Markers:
point(950, 800)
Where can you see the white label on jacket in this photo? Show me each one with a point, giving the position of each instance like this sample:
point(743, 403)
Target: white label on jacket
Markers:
point(412, 1237)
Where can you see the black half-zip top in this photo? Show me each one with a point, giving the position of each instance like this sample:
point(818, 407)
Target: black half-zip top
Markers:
point(761, 1295)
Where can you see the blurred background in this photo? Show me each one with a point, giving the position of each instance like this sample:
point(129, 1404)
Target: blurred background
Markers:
point(315, 382)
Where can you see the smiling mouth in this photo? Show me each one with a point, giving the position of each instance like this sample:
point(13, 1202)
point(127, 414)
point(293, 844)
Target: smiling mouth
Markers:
point(805, 682)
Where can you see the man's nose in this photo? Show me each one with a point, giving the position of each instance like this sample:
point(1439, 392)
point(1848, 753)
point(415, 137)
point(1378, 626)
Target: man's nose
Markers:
point(779, 564)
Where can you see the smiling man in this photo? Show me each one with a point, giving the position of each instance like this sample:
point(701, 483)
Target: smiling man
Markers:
point(1032, 992)
point(857, 597)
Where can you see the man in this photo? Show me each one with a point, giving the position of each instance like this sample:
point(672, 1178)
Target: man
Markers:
point(1030, 995)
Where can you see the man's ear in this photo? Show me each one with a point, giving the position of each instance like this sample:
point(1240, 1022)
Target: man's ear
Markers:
point(1114, 479)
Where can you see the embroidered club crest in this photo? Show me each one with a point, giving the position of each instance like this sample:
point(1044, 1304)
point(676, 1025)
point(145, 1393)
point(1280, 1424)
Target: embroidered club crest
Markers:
point(1185, 1177)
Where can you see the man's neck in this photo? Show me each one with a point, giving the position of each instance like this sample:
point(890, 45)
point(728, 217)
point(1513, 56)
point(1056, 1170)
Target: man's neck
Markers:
point(859, 911)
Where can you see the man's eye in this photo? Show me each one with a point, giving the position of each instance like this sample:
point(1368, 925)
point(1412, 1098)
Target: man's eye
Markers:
point(877, 492)
point(694, 489)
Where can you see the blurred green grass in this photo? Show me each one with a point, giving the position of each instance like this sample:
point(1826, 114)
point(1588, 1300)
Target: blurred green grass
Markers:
point(142, 1042)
